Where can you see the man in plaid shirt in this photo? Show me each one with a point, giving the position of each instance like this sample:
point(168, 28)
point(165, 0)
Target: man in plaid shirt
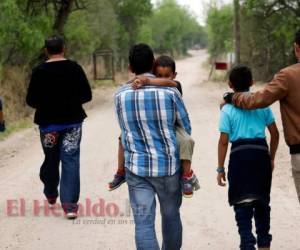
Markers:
point(147, 118)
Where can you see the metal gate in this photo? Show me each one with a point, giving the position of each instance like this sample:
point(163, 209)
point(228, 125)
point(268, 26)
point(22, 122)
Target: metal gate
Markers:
point(104, 67)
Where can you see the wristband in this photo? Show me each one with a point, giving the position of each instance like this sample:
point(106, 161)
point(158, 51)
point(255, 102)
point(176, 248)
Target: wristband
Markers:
point(221, 170)
point(228, 97)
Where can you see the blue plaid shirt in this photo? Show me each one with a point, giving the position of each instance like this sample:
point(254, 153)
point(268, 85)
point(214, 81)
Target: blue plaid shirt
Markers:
point(147, 118)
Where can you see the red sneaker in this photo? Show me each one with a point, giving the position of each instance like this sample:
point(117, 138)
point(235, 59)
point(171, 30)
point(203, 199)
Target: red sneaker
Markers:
point(190, 184)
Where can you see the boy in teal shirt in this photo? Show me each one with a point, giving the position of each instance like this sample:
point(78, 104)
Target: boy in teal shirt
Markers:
point(251, 163)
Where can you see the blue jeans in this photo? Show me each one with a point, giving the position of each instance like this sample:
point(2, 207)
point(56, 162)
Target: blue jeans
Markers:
point(64, 147)
point(261, 213)
point(142, 191)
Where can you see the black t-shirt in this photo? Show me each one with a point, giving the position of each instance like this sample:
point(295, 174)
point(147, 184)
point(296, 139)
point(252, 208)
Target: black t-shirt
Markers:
point(57, 91)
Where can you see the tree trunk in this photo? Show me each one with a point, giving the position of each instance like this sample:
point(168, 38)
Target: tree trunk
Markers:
point(237, 31)
point(62, 16)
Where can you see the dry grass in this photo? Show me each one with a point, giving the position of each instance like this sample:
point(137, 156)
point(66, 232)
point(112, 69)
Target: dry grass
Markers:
point(13, 86)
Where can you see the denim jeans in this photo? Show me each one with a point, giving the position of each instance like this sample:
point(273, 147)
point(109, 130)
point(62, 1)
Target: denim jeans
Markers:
point(261, 213)
point(142, 191)
point(64, 147)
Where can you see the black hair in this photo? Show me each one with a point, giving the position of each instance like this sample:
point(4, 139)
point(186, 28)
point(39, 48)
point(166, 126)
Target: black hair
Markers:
point(54, 44)
point(240, 77)
point(141, 58)
point(297, 37)
point(165, 61)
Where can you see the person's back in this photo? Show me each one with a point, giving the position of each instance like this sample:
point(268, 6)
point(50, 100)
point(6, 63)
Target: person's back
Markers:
point(285, 88)
point(148, 129)
point(251, 162)
point(57, 91)
point(147, 118)
point(245, 124)
point(290, 105)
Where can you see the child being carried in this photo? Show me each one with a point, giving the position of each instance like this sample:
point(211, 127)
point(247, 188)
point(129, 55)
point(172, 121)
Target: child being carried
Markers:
point(165, 71)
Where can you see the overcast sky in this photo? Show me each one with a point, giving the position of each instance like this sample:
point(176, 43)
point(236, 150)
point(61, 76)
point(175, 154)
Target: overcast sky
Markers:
point(198, 7)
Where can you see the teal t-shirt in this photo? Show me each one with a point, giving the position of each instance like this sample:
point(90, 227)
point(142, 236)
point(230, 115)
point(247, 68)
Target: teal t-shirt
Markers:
point(245, 124)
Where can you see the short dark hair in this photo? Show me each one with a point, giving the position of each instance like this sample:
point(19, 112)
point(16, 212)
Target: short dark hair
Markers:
point(54, 44)
point(165, 61)
point(297, 37)
point(141, 58)
point(240, 77)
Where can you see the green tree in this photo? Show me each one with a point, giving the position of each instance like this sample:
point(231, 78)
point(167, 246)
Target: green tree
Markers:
point(174, 29)
point(132, 14)
point(220, 30)
point(267, 35)
point(93, 28)
point(21, 36)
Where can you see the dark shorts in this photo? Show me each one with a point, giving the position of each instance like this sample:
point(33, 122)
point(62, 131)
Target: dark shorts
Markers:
point(249, 171)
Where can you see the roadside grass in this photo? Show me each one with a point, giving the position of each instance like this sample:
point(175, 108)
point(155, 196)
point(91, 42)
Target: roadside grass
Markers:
point(103, 83)
point(15, 127)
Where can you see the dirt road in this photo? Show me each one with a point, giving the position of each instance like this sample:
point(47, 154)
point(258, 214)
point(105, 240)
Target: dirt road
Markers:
point(106, 221)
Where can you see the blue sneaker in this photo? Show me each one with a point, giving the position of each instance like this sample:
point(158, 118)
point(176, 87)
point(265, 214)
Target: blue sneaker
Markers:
point(116, 182)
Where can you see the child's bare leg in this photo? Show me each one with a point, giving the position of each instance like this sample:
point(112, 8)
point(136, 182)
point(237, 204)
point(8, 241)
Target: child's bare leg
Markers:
point(119, 178)
point(186, 167)
point(121, 159)
point(186, 147)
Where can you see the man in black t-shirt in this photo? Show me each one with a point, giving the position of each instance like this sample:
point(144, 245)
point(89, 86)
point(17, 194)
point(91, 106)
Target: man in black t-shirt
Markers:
point(57, 90)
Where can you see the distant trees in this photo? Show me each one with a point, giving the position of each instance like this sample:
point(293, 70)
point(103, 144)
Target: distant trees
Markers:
point(131, 15)
point(220, 30)
point(62, 9)
point(174, 29)
point(20, 36)
point(267, 32)
point(237, 30)
point(91, 24)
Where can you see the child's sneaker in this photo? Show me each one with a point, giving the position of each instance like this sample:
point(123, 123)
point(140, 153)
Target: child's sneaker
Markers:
point(71, 215)
point(189, 185)
point(118, 180)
